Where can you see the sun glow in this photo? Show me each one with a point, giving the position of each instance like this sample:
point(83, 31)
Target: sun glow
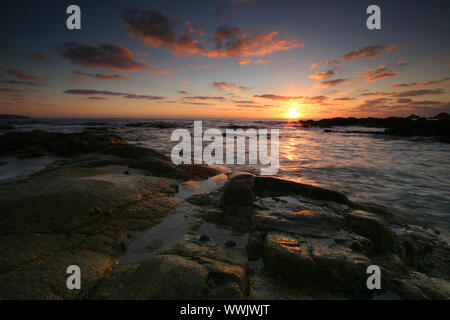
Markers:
point(293, 114)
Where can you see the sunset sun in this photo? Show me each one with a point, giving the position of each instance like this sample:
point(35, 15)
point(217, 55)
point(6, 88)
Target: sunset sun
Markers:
point(293, 113)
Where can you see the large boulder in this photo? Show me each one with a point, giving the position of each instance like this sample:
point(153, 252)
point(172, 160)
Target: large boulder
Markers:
point(159, 277)
point(373, 228)
point(238, 195)
point(266, 186)
point(313, 261)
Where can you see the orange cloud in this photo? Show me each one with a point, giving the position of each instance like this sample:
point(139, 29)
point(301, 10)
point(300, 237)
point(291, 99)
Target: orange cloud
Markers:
point(315, 65)
point(157, 30)
point(322, 75)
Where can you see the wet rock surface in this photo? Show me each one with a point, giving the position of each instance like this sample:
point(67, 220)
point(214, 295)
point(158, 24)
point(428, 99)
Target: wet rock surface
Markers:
point(252, 238)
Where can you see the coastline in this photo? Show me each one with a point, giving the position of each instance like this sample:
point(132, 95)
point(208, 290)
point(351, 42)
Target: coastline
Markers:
point(89, 209)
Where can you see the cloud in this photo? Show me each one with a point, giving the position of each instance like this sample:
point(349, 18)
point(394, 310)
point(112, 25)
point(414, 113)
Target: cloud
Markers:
point(22, 75)
point(421, 84)
point(368, 51)
point(157, 30)
point(208, 66)
point(182, 92)
point(39, 56)
point(202, 98)
point(344, 99)
point(378, 73)
point(244, 62)
point(234, 42)
point(20, 82)
point(415, 93)
point(322, 75)
point(277, 97)
point(112, 93)
point(10, 90)
point(165, 72)
point(315, 100)
point(97, 98)
point(101, 76)
point(315, 65)
point(222, 85)
point(152, 26)
point(107, 56)
point(393, 47)
point(333, 83)
point(378, 94)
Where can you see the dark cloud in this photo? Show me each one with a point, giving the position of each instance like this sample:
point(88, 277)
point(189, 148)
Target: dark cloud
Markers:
point(343, 99)
point(39, 56)
point(101, 76)
point(107, 56)
point(368, 51)
point(10, 90)
point(152, 26)
point(97, 98)
point(271, 96)
point(22, 75)
point(421, 84)
point(378, 73)
point(111, 93)
point(415, 93)
point(182, 92)
point(205, 98)
point(20, 82)
point(333, 83)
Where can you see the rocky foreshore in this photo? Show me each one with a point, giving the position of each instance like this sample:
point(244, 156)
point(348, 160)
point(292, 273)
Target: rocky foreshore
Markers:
point(298, 241)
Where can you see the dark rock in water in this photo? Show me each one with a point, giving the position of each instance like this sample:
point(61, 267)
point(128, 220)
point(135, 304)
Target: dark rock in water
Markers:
point(238, 195)
point(266, 186)
point(442, 116)
point(7, 127)
point(156, 124)
point(198, 170)
point(62, 144)
point(439, 126)
point(12, 117)
point(414, 117)
point(204, 238)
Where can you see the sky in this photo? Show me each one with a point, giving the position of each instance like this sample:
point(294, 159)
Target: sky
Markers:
point(224, 59)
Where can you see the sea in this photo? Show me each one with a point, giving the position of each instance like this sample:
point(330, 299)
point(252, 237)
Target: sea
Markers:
point(410, 174)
